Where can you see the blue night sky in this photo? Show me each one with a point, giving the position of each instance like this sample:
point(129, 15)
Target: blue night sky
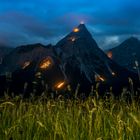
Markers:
point(47, 21)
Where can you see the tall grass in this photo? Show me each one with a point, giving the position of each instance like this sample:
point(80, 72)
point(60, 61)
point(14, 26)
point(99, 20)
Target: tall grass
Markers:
point(93, 119)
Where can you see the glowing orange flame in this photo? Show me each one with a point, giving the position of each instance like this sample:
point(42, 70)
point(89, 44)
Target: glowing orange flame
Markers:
point(60, 85)
point(76, 30)
point(45, 63)
point(26, 64)
point(99, 78)
point(109, 54)
point(102, 79)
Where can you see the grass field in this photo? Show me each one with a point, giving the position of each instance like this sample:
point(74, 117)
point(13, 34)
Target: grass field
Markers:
point(92, 119)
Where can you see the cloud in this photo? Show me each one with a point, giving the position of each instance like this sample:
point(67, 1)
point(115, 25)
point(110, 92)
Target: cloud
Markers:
point(18, 27)
point(46, 21)
point(27, 23)
point(108, 41)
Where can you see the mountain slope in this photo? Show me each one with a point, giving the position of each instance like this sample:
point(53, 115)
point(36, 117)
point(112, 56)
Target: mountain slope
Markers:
point(82, 46)
point(24, 54)
point(81, 57)
point(74, 60)
point(4, 51)
point(127, 53)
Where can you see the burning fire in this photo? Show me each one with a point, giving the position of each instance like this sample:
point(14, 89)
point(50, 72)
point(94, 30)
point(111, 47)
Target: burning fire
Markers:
point(99, 78)
point(26, 64)
point(109, 54)
point(46, 63)
point(76, 30)
point(60, 85)
point(102, 79)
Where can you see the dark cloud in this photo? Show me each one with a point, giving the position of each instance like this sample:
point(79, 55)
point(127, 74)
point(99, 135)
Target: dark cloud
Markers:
point(47, 21)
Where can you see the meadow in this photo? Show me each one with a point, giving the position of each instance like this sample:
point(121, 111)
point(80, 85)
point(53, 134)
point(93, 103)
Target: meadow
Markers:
point(63, 119)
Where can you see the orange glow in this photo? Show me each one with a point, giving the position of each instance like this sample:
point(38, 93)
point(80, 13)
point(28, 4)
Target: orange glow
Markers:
point(102, 79)
point(46, 63)
point(99, 78)
point(76, 30)
point(60, 85)
point(109, 54)
point(26, 64)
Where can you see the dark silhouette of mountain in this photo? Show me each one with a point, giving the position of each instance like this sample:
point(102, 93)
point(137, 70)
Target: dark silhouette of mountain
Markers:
point(4, 51)
point(20, 55)
point(127, 53)
point(81, 57)
point(82, 48)
point(32, 65)
point(76, 59)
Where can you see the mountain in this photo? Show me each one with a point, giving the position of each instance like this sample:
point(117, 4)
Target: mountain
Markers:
point(82, 48)
point(84, 62)
point(4, 51)
point(27, 69)
point(74, 60)
point(23, 55)
point(126, 53)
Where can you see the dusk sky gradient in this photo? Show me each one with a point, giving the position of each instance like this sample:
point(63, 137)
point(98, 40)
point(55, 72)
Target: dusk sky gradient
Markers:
point(47, 21)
